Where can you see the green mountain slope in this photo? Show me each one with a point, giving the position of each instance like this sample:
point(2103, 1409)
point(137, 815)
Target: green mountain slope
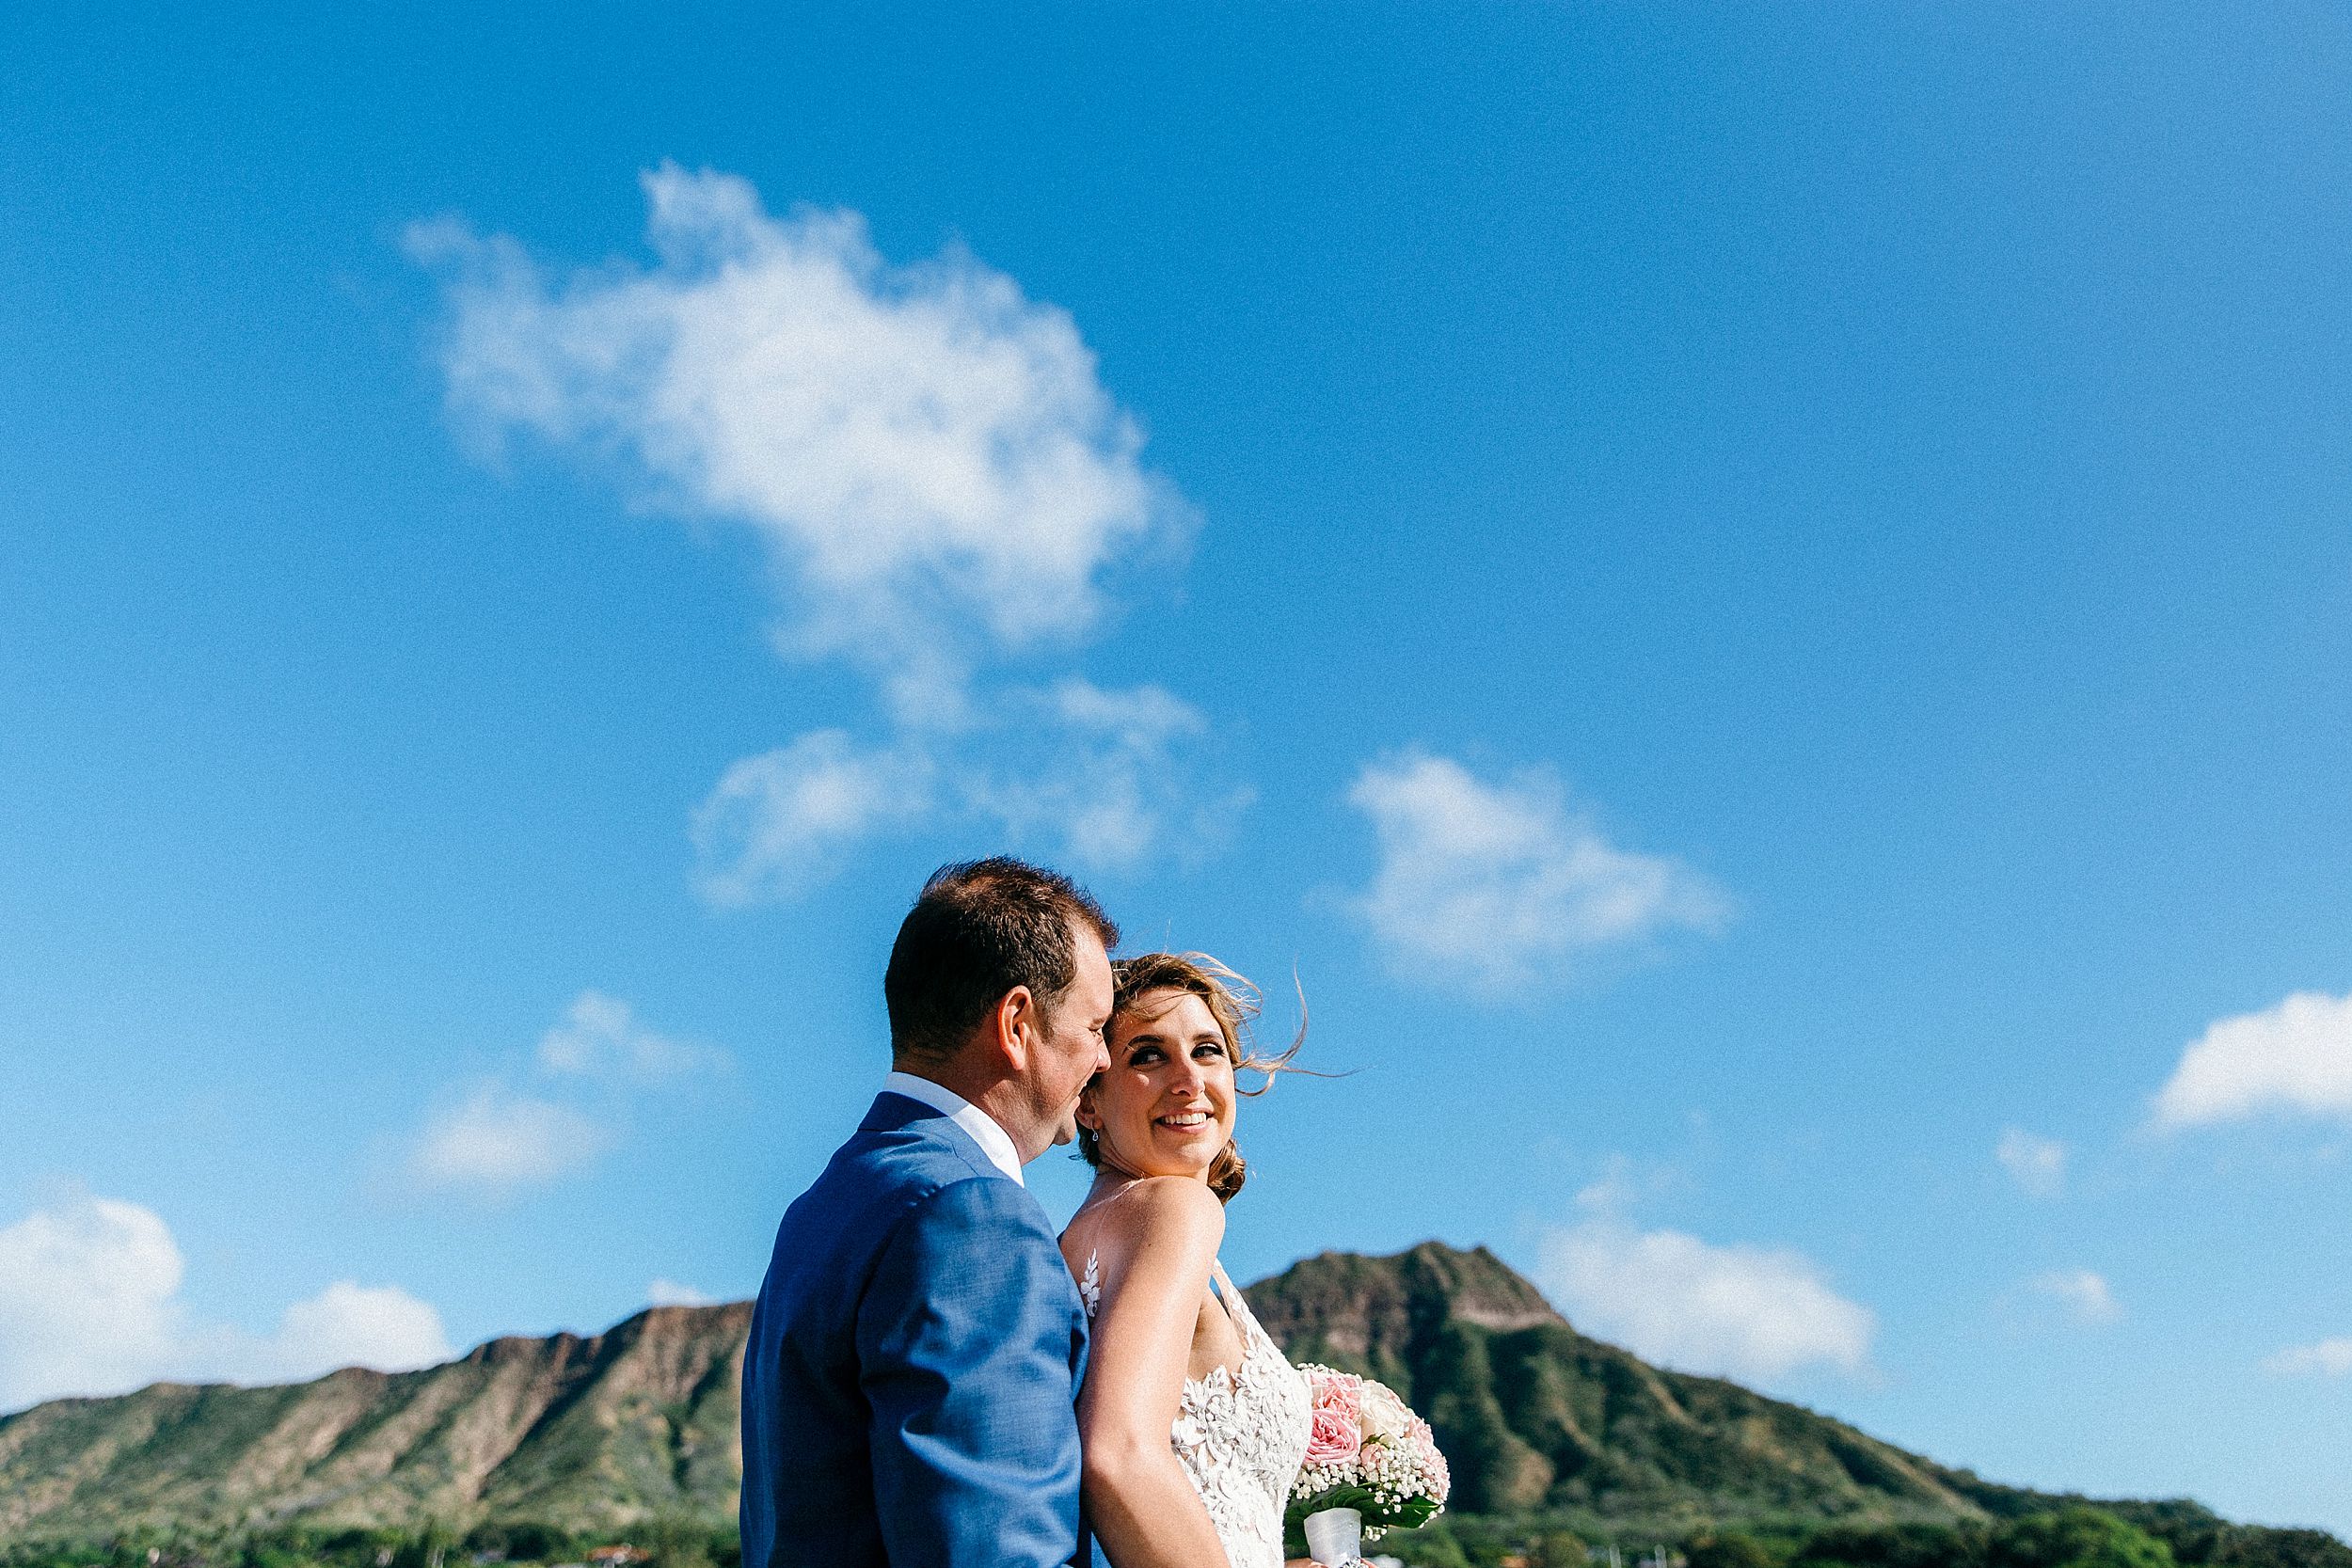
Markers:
point(638, 1423)
point(1533, 1413)
point(635, 1421)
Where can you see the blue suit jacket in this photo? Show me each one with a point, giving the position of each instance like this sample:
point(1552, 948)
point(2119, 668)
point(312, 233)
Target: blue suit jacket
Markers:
point(913, 1364)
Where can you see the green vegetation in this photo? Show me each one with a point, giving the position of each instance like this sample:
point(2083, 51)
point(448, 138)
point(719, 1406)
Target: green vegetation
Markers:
point(2060, 1533)
point(667, 1541)
point(538, 1451)
point(2071, 1535)
point(1537, 1419)
point(2063, 1533)
point(604, 1433)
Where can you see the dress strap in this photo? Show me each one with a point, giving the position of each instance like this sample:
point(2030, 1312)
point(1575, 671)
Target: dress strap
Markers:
point(1228, 1296)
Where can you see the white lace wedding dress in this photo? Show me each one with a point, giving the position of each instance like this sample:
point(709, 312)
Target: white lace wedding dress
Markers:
point(1240, 1434)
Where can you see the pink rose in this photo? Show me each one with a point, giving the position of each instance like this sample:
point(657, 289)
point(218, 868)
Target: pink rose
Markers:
point(1332, 1439)
point(1337, 1433)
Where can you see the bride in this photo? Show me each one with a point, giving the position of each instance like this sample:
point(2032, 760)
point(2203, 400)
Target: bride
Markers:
point(1192, 1423)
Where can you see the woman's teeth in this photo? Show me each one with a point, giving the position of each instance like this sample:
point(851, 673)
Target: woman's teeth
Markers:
point(1190, 1119)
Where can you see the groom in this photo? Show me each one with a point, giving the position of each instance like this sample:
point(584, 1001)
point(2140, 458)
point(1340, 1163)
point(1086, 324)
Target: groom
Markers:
point(908, 1388)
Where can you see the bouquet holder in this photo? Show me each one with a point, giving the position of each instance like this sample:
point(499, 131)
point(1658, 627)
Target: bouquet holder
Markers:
point(1335, 1537)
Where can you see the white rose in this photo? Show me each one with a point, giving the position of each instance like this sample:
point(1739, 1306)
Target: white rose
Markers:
point(1384, 1417)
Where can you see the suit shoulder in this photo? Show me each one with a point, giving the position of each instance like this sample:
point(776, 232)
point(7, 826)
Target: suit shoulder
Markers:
point(982, 1237)
point(921, 1154)
point(977, 1203)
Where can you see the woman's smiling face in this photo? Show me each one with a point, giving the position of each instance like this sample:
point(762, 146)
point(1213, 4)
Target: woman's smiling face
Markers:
point(1166, 1107)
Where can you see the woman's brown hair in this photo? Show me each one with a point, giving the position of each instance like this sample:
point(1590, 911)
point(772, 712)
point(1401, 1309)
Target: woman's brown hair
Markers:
point(1233, 1001)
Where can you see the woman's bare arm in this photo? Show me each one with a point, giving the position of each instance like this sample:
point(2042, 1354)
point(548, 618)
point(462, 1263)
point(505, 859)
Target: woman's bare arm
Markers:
point(1157, 1244)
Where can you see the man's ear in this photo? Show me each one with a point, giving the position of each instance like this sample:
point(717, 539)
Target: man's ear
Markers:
point(1016, 1024)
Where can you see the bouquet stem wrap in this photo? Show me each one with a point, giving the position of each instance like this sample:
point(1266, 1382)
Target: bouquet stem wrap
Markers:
point(1335, 1537)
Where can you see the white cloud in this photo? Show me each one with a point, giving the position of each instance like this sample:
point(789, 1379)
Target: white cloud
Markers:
point(1495, 886)
point(1108, 779)
point(88, 1300)
point(926, 454)
point(350, 1324)
point(669, 1292)
point(600, 1036)
point(1615, 1191)
point(2035, 1163)
point(498, 1142)
point(1110, 776)
point(495, 1141)
point(779, 822)
point(2327, 1358)
point(89, 1304)
point(2082, 1292)
point(938, 478)
point(2296, 1056)
point(1739, 1311)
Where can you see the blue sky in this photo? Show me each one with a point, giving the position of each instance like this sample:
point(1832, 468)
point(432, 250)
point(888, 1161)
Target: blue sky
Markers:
point(1754, 602)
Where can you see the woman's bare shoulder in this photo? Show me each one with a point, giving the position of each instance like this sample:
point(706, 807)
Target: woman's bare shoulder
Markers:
point(1169, 1203)
point(1154, 1211)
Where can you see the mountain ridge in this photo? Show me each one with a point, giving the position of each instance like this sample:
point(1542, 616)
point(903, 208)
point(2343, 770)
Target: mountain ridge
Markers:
point(570, 1426)
point(1538, 1414)
point(639, 1422)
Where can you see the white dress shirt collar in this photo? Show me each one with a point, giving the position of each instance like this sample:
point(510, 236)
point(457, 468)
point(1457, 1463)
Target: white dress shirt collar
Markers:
point(994, 1140)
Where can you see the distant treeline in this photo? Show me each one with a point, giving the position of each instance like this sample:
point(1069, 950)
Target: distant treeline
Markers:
point(2125, 1535)
point(2072, 1535)
point(662, 1543)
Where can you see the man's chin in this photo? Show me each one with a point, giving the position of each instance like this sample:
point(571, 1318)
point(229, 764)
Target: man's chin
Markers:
point(1066, 1130)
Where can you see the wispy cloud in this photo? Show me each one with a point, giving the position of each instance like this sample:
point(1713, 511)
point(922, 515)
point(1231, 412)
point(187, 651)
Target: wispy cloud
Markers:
point(2035, 1163)
point(590, 1068)
point(601, 1037)
point(2084, 1294)
point(938, 478)
point(496, 1141)
point(1105, 780)
point(2327, 1358)
point(2296, 1057)
point(90, 1305)
point(669, 1292)
point(1492, 886)
point(1109, 778)
point(780, 822)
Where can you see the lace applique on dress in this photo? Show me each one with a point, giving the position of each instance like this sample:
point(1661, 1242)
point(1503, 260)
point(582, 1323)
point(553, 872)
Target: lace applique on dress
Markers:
point(1240, 1432)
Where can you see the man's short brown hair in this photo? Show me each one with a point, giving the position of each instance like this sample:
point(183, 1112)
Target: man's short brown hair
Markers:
point(980, 928)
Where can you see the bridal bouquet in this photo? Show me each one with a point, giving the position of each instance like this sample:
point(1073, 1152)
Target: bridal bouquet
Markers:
point(1369, 1456)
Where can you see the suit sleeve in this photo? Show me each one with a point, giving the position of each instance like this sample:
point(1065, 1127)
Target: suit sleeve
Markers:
point(965, 1341)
